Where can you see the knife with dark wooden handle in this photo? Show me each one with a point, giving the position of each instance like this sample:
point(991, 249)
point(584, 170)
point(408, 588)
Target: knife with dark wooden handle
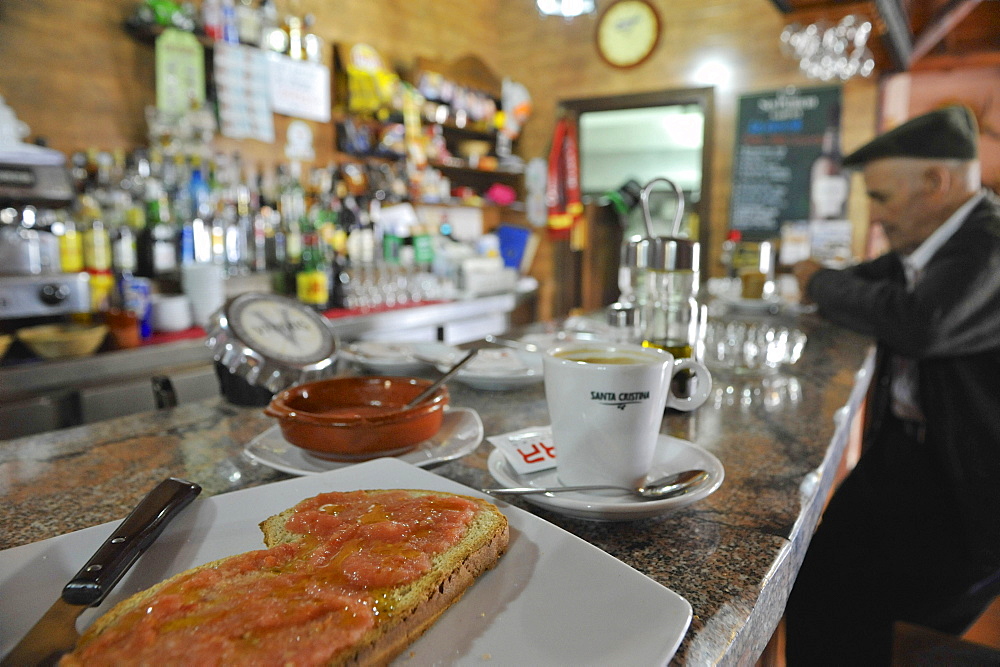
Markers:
point(55, 633)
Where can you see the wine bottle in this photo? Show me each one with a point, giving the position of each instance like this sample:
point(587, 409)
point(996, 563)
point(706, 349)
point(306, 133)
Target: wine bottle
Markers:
point(828, 182)
point(312, 286)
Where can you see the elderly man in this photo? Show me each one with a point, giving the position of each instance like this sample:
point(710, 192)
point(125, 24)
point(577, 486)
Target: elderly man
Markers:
point(913, 533)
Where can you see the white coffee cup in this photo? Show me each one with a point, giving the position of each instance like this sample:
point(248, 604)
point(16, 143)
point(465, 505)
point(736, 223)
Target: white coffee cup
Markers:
point(606, 403)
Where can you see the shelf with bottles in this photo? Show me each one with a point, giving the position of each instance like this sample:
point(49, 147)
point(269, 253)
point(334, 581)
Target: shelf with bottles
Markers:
point(317, 234)
point(460, 169)
point(234, 21)
point(461, 152)
point(361, 137)
point(447, 114)
point(463, 93)
point(462, 103)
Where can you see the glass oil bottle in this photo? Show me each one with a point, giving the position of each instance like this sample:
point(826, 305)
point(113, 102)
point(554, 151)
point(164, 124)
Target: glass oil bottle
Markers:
point(670, 316)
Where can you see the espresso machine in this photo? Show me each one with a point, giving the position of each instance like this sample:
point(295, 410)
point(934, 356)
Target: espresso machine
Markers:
point(33, 180)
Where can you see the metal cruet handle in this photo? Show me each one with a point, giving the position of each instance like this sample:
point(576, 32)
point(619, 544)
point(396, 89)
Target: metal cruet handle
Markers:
point(647, 218)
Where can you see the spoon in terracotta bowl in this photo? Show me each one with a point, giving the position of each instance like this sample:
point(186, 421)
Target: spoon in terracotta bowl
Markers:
point(665, 487)
point(441, 380)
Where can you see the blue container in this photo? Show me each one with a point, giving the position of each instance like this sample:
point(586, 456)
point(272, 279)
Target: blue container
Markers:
point(136, 296)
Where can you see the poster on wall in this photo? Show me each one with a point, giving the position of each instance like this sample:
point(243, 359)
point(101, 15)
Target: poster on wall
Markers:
point(299, 88)
point(787, 175)
point(241, 84)
point(180, 72)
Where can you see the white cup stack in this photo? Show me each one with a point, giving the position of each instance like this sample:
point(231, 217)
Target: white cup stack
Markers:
point(171, 312)
point(204, 284)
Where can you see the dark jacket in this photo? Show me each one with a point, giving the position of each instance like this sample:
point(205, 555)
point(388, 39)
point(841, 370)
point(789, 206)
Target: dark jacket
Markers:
point(950, 324)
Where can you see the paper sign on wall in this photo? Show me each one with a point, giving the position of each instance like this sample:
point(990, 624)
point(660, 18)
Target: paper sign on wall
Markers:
point(241, 75)
point(299, 88)
point(180, 72)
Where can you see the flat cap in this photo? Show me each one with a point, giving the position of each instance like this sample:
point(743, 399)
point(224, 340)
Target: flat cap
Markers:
point(949, 133)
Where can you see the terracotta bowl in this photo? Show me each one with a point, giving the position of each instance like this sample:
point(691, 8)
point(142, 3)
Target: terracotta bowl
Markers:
point(358, 418)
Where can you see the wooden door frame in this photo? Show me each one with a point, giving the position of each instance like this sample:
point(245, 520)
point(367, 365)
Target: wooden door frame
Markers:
point(568, 265)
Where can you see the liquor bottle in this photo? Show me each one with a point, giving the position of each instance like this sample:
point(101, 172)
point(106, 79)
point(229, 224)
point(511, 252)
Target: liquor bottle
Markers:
point(70, 247)
point(248, 22)
point(392, 242)
point(230, 30)
point(240, 242)
point(828, 182)
point(312, 43)
point(423, 248)
point(337, 277)
point(181, 214)
point(211, 19)
point(124, 258)
point(312, 286)
point(157, 242)
point(97, 257)
point(201, 214)
point(292, 207)
point(729, 249)
point(272, 37)
point(96, 241)
point(293, 28)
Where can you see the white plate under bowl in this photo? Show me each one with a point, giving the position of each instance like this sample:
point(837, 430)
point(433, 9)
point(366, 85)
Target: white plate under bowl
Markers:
point(552, 599)
point(672, 455)
point(394, 358)
point(461, 432)
point(496, 369)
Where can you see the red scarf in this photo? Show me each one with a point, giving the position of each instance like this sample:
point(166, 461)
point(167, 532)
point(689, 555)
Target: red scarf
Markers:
point(562, 191)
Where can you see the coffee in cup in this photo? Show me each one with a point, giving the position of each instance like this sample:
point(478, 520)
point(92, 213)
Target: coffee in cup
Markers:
point(606, 403)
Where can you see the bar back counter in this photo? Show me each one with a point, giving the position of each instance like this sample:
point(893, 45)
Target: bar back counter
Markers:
point(733, 555)
point(39, 395)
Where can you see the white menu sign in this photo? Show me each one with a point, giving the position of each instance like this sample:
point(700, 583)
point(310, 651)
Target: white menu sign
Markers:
point(299, 88)
point(241, 74)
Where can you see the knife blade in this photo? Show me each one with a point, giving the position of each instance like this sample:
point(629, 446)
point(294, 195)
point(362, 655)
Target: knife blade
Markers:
point(55, 632)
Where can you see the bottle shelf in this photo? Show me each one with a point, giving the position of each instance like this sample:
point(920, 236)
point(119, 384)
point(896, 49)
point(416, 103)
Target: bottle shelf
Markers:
point(470, 171)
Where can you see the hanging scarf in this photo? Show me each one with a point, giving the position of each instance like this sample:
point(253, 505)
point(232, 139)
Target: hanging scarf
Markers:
point(562, 191)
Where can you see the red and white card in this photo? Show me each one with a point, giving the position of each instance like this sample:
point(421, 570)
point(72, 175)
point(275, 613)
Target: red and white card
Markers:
point(527, 450)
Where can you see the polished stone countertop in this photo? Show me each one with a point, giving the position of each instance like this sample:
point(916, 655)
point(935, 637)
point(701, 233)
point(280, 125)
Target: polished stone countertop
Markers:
point(732, 555)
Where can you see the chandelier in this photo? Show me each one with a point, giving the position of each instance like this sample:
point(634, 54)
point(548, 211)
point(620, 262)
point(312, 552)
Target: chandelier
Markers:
point(830, 52)
point(565, 8)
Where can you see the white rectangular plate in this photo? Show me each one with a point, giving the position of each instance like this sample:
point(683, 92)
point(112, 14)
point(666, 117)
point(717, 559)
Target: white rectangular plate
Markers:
point(552, 599)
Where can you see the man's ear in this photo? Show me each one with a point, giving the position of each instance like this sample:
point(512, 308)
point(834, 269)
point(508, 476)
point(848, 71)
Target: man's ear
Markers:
point(935, 180)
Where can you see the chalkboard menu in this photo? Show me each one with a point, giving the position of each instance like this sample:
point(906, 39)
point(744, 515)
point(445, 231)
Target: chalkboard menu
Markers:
point(787, 163)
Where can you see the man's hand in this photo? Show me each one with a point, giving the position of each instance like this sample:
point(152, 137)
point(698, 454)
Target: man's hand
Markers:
point(804, 271)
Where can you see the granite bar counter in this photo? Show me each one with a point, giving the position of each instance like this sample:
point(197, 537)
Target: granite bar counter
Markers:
point(732, 555)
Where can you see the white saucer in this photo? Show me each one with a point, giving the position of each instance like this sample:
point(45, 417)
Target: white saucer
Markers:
point(461, 432)
point(496, 369)
point(672, 455)
point(543, 341)
point(394, 358)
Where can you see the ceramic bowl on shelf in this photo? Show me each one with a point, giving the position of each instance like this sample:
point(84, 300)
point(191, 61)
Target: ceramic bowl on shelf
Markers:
point(63, 341)
point(474, 148)
point(358, 418)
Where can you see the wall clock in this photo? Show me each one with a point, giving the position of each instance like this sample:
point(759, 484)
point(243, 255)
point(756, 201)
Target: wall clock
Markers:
point(628, 32)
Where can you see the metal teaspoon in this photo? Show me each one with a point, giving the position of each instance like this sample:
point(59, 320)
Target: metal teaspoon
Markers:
point(664, 487)
point(441, 380)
